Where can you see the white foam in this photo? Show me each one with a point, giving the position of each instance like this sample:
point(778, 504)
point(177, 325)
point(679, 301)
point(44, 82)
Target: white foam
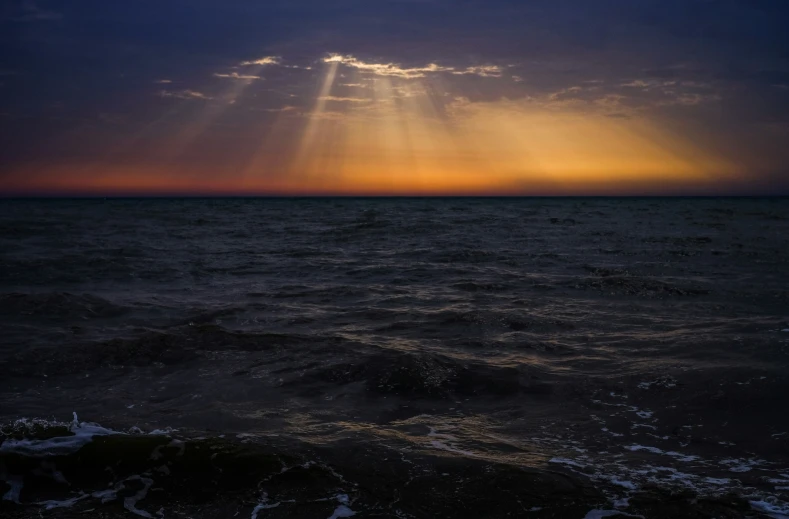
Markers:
point(342, 511)
point(444, 447)
point(633, 478)
point(599, 514)
point(774, 509)
point(106, 495)
point(436, 434)
point(167, 431)
point(49, 470)
point(565, 461)
point(682, 457)
point(157, 451)
point(180, 445)
point(265, 505)
point(654, 450)
point(66, 503)
point(666, 382)
point(16, 483)
point(130, 503)
point(718, 481)
point(622, 503)
point(632, 474)
point(736, 465)
point(82, 434)
point(626, 484)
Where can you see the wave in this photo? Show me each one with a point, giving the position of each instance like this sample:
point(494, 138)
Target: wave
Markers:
point(432, 376)
point(173, 347)
point(84, 465)
point(85, 468)
point(637, 286)
point(52, 305)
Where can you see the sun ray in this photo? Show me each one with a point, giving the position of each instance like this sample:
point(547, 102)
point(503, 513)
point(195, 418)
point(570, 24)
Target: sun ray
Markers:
point(193, 129)
point(315, 125)
point(394, 130)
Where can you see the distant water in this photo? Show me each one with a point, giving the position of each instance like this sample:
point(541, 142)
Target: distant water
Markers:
point(421, 358)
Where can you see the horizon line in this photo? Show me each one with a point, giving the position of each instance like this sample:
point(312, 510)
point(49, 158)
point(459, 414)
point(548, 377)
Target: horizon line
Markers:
point(85, 196)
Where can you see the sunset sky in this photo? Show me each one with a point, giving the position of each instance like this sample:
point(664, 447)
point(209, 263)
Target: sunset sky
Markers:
point(531, 97)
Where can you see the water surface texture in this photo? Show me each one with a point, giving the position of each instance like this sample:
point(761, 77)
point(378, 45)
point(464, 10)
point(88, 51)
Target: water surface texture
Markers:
point(394, 357)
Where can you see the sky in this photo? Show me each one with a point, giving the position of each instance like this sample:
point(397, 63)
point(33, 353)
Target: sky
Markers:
point(394, 97)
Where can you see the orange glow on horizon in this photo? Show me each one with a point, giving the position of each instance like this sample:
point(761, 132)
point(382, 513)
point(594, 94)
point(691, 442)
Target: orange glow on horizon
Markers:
point(405, 136)
point(131, 181)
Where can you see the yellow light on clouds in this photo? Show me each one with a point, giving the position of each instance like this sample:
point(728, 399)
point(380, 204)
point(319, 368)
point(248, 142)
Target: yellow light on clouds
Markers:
point(406, 135)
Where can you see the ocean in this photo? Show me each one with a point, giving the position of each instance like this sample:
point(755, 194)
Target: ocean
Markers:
point(394, 357)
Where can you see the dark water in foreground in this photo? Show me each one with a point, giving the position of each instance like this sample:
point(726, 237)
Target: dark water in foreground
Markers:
point(422, 358)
